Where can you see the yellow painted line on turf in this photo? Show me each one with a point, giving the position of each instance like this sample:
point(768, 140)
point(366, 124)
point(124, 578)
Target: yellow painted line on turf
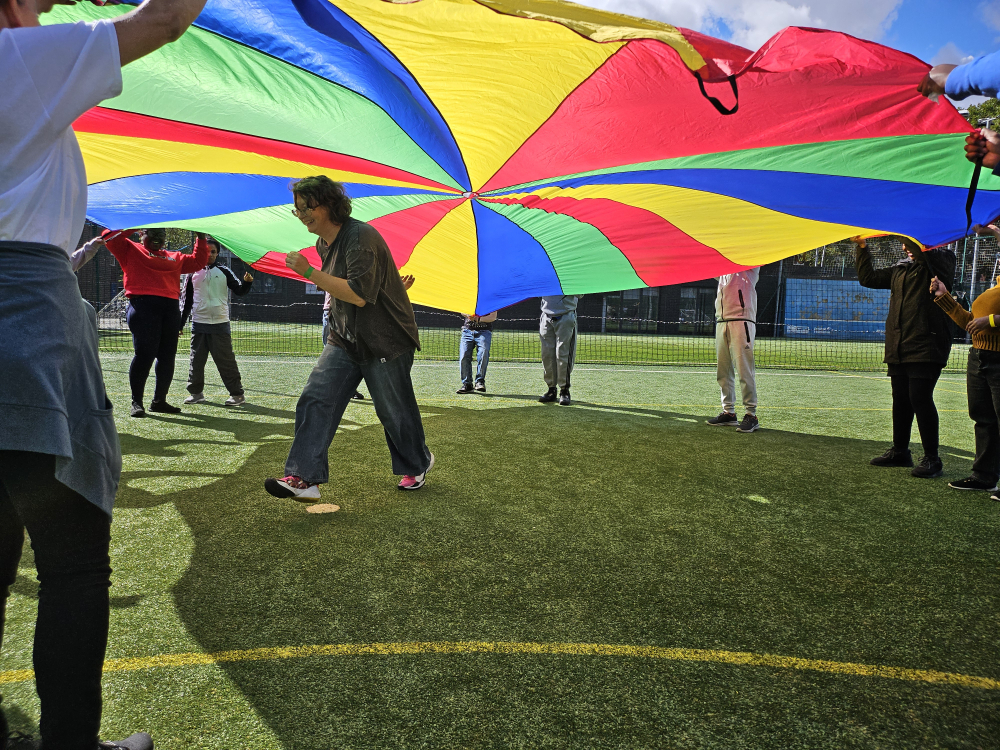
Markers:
point(737, 658)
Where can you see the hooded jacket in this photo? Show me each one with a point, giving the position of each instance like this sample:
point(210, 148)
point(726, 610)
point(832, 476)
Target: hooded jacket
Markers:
point(206, 294)
point(736, 298)
point(916, 329)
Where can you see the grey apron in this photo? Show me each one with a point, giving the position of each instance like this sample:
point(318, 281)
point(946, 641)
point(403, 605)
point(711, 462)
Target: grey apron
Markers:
point(52, 396)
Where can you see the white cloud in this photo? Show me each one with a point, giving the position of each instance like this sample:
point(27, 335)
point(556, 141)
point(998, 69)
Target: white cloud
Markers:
point(950, 54)
point(753, 22)
point(990, 12)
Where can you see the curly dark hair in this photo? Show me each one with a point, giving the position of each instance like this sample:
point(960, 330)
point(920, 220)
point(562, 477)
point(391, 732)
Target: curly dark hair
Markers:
point(322, 191)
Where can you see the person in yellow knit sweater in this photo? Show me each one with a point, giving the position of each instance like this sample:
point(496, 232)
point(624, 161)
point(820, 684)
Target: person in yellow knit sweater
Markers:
point(982, 376)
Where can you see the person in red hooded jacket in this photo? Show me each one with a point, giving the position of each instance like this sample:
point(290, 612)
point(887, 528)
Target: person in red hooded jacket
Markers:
point(152, 281)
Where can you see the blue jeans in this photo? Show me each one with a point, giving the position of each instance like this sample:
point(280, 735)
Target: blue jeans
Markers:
point(481, 341)
point(333, 381)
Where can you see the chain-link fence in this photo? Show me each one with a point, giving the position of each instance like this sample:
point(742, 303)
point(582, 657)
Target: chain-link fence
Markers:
point(812, 313)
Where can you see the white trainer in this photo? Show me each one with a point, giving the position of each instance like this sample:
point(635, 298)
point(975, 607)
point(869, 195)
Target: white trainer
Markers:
point(196, 398)
point(292, 486)
point(236, 400)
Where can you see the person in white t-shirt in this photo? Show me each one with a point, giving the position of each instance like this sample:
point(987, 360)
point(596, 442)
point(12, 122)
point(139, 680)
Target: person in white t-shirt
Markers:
point(59, 455)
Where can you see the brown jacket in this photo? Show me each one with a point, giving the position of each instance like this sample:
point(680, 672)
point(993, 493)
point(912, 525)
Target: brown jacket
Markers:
point(987, 303)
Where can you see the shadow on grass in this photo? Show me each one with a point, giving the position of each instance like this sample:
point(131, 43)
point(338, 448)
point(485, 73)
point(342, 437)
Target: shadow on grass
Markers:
point(601, 527)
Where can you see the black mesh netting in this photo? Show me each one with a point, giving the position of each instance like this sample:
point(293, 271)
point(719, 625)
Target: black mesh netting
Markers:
point(812, 314)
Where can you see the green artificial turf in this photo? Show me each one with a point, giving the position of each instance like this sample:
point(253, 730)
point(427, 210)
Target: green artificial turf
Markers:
point(621, 520)
point(254, 338)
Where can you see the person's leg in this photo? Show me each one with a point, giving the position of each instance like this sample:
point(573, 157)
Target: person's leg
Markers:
point(166, 353)
point(547, 334)
point(743, 356)
point(70, 538)
point(724, 370)
point(318, 412)
point(221, 347)
point(902, 410)
point(982, 386)
point(565, 349)
point(11, 544)
point(465, 357)
point(483, 341)
point(144, 324)
point(196, 369)
point(396, 406)
point(922, 401)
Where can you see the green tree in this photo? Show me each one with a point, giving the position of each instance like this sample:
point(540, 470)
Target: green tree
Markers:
point(988, 110)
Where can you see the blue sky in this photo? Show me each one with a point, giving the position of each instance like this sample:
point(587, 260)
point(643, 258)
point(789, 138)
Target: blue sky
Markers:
point(933, 30)
point(926, 28)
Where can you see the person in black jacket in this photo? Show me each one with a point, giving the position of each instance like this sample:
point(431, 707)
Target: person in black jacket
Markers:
point(917, 345)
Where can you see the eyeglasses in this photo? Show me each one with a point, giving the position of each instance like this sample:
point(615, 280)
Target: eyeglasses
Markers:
point(299, 214)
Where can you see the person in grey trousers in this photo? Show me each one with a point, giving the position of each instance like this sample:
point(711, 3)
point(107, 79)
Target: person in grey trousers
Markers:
point(735, 333)
point(557, 329)
point(205, 299)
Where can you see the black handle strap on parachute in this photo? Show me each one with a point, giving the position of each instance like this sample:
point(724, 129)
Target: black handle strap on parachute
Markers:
point(972, 195)
point(715, 102)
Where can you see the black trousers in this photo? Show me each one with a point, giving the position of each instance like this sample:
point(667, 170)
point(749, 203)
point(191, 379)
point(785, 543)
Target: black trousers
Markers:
point(70, 538)
point(220, 346)
point(155, 323)
point(982, 385)
point(913, 395)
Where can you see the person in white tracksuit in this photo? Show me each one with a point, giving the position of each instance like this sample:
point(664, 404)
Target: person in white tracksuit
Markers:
point(735, 331)
point(205, 298)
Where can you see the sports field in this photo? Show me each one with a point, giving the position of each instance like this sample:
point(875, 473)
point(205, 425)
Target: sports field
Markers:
point(611, 574)
point(269, 339)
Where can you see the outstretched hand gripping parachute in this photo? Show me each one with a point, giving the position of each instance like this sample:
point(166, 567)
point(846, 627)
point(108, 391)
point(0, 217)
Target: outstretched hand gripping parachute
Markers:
point(508, 150)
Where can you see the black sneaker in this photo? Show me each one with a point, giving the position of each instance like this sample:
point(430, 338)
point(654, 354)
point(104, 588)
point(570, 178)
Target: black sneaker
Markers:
point(137, 410)
point(18, 741)
point(928, 467)
point(164, 408)
point(893, 457)
point(749, 424)
point(727, 418)
point(481, 387)
point(138, 741)
point(564, 397)
point(971, 483)
point(358, 396)
point(549, 396)
point(465, 389)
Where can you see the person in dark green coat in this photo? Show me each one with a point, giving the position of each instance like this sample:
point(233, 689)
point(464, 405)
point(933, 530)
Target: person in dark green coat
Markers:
point(917, 345)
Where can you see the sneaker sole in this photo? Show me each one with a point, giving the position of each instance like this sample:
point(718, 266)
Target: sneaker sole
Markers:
point(747, 432)
point(723, 424)
point(276, 489)
point(974, 489)
point(422, 481)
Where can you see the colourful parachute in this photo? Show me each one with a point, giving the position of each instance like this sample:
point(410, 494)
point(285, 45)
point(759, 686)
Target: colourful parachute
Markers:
point(508, 149)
